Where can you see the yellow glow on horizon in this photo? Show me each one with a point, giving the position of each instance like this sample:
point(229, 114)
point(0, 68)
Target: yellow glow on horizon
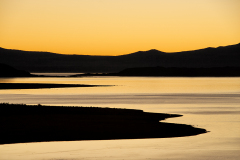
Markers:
point(107, 27)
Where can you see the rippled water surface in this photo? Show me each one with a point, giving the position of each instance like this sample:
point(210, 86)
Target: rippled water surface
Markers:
point(210, 103)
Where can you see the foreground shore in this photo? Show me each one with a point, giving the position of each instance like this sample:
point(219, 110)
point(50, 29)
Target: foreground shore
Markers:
point(35, 123)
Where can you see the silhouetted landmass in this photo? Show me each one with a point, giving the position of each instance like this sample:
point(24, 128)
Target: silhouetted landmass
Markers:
point(183, 72)
point(173, 72)
point(228, 56)
point(25, 123)
point(8, 71)
point(41, 85)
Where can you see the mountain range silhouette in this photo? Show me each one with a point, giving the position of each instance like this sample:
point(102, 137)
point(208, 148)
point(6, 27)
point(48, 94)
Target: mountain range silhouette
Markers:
point(32, 61)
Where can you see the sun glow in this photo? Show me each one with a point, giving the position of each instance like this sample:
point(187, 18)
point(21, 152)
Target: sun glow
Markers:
point(118, 27)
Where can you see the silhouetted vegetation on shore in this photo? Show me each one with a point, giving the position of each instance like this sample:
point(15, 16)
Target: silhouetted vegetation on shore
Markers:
point(35, 123)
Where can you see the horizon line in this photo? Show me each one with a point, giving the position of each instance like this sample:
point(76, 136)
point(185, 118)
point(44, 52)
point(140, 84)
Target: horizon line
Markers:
point(120, 54)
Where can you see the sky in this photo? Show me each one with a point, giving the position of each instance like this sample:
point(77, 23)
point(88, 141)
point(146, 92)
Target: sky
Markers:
point(117, 27)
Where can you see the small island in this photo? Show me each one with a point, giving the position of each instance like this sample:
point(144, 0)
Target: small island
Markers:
point(22, 123)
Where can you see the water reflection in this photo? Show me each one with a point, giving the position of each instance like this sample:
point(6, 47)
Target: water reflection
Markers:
point(210, 103)
point(134, 85)
point(100, 99)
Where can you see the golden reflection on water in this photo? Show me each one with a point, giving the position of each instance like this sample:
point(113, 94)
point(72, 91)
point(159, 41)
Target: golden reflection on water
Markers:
point(121, 85)
point(210, 103)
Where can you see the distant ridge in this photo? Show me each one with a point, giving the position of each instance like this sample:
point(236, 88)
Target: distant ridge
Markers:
point(227, 56)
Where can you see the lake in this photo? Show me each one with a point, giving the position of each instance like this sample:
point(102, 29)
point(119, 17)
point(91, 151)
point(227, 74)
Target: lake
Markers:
point(209, 103)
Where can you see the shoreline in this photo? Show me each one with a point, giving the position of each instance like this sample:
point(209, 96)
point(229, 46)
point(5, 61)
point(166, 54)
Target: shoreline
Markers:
point(22, 123)
point(42, 85)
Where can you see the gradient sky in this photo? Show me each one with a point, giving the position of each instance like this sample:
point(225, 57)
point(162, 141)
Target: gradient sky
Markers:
point(116, 27)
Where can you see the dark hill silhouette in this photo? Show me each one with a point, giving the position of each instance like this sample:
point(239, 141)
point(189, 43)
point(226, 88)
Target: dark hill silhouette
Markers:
point(228, 56)
point(8, 71)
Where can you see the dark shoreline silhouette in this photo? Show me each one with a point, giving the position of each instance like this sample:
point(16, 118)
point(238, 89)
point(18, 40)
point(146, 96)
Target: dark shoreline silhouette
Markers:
point(172, 72)
point(42, 85)
point(35, 123)
point(184, 72)
point(227, 56)
point(8, 71)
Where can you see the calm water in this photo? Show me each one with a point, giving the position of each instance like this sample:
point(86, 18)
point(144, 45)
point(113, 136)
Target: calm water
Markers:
point(210, 103)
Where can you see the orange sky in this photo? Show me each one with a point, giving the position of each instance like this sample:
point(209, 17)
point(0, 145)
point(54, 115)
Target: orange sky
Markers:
point(116, 27)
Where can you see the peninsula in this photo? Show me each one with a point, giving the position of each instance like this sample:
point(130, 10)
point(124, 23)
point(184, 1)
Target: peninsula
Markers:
point(36, 123)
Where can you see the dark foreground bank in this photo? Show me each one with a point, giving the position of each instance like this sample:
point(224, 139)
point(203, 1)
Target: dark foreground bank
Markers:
point(21, 123)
